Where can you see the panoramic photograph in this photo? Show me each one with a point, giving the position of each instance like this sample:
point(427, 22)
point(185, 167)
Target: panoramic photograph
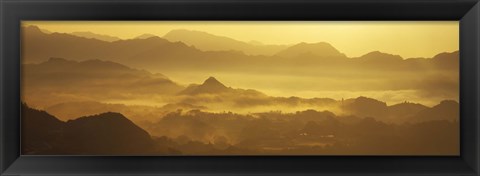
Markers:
point(240, 88)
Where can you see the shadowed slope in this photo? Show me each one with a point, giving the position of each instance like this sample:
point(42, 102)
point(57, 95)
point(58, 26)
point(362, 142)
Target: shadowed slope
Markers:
point(102, 134)
point(106, 133)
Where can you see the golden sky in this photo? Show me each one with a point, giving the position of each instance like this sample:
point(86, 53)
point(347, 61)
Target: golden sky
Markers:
point(354, 38)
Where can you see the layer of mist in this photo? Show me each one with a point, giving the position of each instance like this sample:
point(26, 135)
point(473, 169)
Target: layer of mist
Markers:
point(89, 94)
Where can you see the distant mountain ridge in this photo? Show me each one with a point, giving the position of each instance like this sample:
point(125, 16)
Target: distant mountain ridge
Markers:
point(321, 49)
point(78, 76)
point(84, 80)
point(160, 53)
point(378, 57)
point(163, 56)
point(145, 36)
point(92, 35)
point(210, 42)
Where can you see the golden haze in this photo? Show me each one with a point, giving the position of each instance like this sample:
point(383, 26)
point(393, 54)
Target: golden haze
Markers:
point(408, 39)
point(301, 88)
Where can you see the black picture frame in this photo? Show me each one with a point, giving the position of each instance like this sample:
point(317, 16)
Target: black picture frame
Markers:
point(14, 11)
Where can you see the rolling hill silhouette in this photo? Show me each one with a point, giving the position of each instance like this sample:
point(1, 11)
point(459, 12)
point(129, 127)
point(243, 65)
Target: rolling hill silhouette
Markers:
point(74, 71)
point(444, 60)
point(74, 109)
point(106, 134)
point(377, 57)
point(153, 53)
point(365, 107)
point(402, 112)
point(321, 49)
point(145, 36)
point(141, 115)
point(446, 110)
point(156, 53)
point(40, 46)
point(90, 78)
point(92, 35)
point(210, 42)
point(41, 131)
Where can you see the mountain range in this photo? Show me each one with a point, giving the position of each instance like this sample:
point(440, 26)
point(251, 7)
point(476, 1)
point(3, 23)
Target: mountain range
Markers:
point(374, 71)
point(84, 85)
point(91, 35)
point(209, 42)
point(198, 39)
point(181, 49)
point(90, 80)
point(98, 94)
point(103, 81)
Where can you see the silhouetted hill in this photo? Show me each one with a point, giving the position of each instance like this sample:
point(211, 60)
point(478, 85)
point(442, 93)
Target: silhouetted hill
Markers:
point(34, 30)
point(153, 53)
point(140, 114)
point(402, 112)
point(88, 67)
point(365, 107)
point(106, 133)
point(102, 134)
point(377, 57)
point(90, 78)
point(446, 110)
point(40, 131)
point(145, 36)
point(447, 60)
point(209, 86)
point(72, 110)
point(321, 49)
point(92, 35)
point(39, 46)
point(210, 42)
point(213, 86)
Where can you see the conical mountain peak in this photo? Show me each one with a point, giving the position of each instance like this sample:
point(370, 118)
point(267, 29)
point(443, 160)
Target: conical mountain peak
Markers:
point(212, 81)
point(380, 56)
point(209, 86)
